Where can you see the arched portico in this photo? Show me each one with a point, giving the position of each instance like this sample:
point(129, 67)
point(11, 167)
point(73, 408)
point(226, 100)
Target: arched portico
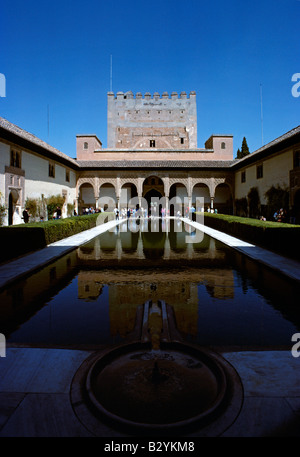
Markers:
point(223, 199)
point(153, 192)
point(107, 198)
point(128, 195)
point(86, 197)
point(178, 198)
point(201, 196)
point(13, 207)
point(121, 186)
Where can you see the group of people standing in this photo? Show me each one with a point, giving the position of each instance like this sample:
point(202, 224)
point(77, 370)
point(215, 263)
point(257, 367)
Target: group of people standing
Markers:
point(280, 215)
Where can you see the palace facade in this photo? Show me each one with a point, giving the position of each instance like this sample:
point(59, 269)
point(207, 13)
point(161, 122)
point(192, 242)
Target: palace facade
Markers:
point(152, 152)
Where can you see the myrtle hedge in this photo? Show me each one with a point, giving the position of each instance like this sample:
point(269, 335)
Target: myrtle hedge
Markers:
point(17, 240)
point(279, 237)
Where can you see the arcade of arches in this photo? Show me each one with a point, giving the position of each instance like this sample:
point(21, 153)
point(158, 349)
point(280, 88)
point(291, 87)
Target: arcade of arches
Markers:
point(116, 190)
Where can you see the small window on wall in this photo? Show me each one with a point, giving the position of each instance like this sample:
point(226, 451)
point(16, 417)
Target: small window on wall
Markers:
point(181, 140)
point(259, 171)
point(85, 145)
point(243, 176)
point(152, 143)
point(15, 158)
point(223, 145)
point(297, 159)
point(51, 170)
point(67, 176)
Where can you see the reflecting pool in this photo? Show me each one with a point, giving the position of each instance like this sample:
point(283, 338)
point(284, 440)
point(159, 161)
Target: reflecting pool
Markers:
point(91, 296)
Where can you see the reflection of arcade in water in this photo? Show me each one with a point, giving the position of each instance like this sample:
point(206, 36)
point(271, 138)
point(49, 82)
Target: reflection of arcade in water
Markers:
point(173, 279)
point(91, 296)
point(156, 240)
point(127, 290)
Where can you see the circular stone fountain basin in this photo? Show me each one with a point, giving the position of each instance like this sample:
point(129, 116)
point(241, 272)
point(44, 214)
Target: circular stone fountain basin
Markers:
point(175, 386)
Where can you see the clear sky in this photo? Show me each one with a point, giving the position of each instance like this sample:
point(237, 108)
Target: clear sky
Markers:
point(56, 56)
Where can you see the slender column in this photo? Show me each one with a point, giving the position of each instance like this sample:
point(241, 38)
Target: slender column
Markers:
point(77, 205)
point(167, 248)
point(167, 205)
point(211, 203)
point(190, 205)
point(140, 250)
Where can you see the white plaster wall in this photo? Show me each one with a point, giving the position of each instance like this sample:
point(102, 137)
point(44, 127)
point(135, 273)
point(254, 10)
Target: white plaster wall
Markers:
point(4, 160)
point(38, 181)
point(275, 172)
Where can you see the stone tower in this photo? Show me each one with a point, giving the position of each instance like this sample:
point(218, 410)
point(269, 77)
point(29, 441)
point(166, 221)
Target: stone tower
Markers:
point(160, 122)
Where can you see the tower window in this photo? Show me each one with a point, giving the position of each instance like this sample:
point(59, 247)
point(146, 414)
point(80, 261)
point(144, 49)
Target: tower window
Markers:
point(152, 143)
point(85, 145)
point(181, 140)
point(223, 145)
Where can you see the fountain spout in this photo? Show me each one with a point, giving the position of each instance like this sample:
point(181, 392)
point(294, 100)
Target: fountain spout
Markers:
point(155, 325)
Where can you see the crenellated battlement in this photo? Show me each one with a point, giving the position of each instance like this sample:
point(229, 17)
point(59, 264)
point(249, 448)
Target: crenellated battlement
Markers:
point(155, 116)
point(148, 96)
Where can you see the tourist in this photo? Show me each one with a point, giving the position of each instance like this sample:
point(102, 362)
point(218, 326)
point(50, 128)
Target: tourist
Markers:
point(26, 215)
point(58, 213)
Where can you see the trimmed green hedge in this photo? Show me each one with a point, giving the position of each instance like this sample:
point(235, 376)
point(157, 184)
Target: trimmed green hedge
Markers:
point(276, 236)
point(21, 239)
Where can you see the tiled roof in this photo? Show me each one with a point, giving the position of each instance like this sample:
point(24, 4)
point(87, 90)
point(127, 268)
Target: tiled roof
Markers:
point(269, 146)
point(154, 163)
point(184, 164)
point(33, 139)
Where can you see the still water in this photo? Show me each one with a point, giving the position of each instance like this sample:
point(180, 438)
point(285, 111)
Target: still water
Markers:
point(90, 297)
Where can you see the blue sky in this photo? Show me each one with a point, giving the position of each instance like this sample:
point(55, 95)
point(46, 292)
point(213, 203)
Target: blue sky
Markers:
point(57, 54)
